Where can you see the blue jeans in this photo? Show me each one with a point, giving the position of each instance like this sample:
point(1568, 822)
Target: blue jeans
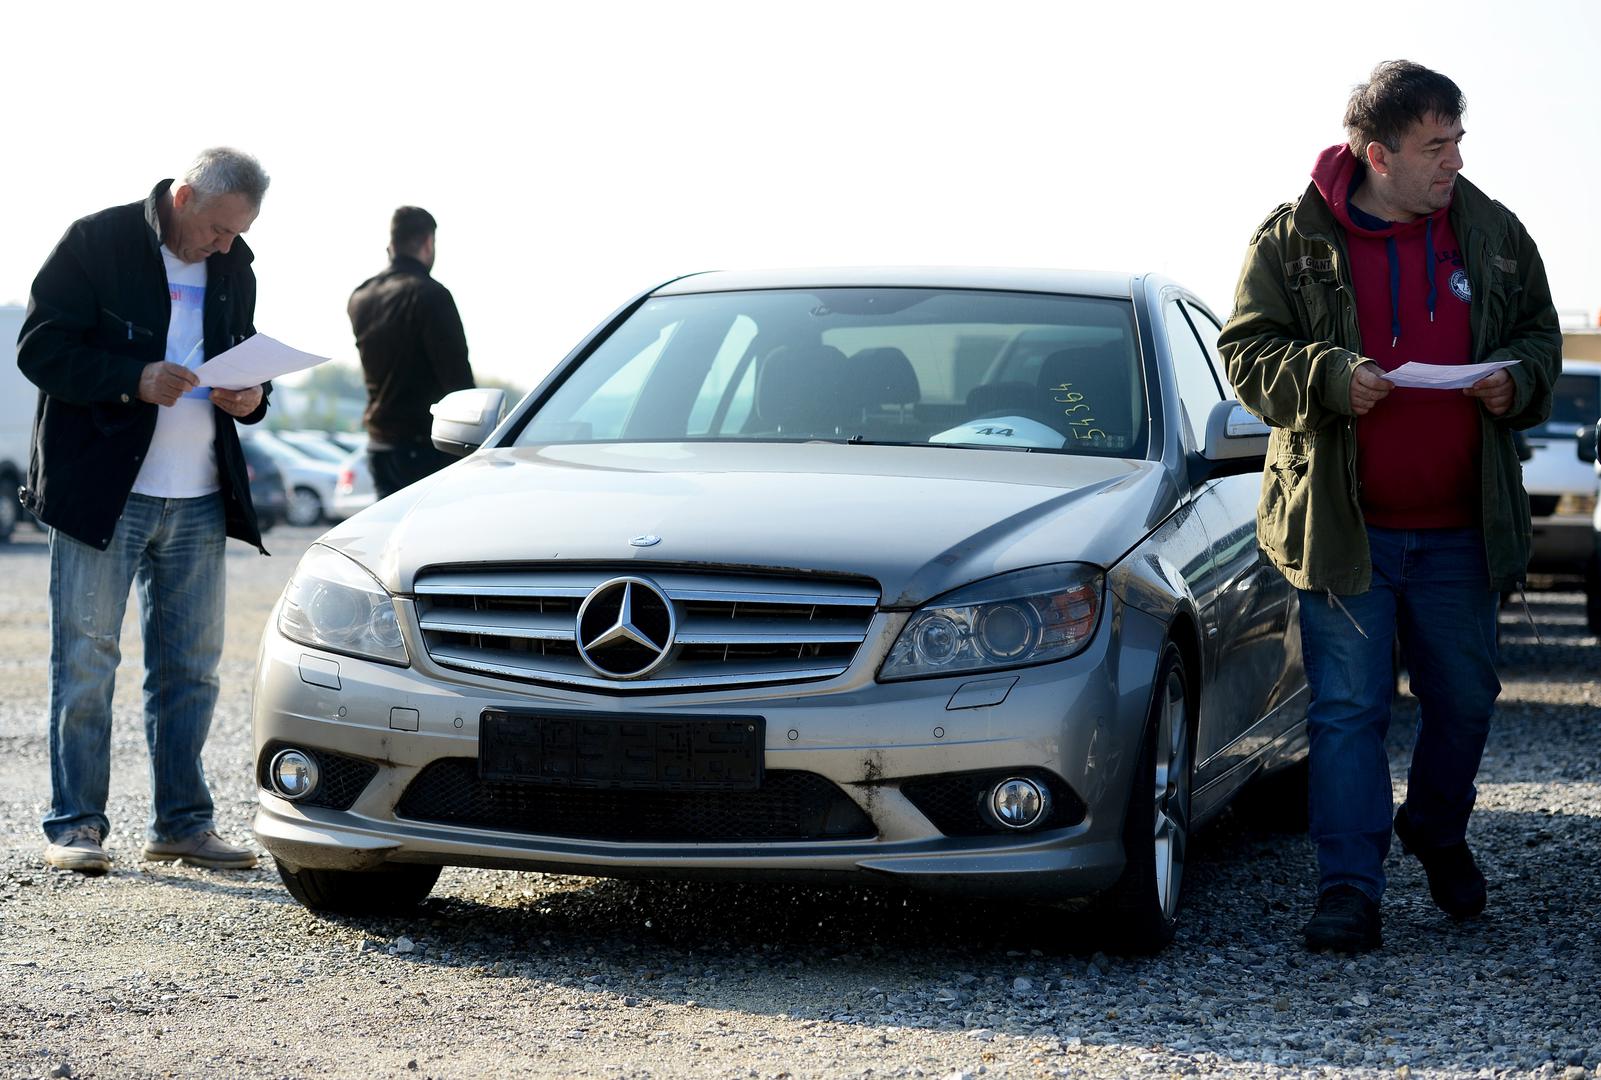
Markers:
point(1432, 587)
point(173, 549)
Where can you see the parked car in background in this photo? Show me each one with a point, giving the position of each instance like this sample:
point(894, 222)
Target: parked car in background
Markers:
point(1589, 445)
point(818, 574)
point(309, 480)
point(18, 400)
point(317, 444)
point(350, 440)
point(1562, 488)
point(354, 492)
point(267, 491)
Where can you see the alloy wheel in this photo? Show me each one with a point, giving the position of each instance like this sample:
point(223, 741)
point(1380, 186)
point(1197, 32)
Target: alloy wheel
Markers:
point(1172, 793)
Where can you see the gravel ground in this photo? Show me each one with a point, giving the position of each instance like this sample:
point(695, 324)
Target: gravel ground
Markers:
point(155, 970)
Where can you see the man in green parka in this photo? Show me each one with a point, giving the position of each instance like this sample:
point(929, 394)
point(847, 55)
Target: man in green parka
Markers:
point(1397, 510)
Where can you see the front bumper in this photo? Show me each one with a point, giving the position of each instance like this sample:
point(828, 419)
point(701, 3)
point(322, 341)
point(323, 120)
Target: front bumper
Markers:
point(1079, 720)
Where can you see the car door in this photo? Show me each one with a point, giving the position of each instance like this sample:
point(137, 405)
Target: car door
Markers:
point(1248, 602)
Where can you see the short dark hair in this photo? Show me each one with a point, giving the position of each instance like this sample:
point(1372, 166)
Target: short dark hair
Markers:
point(1397, 95)
point(410, 226)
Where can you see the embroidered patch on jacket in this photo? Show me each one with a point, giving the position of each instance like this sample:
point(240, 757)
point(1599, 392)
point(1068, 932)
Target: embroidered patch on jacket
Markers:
point(1460, 287)
point(1306, 263)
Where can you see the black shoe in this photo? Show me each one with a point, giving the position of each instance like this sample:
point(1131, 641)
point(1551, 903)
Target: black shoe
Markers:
point(1454, 878)
point(1345, 921)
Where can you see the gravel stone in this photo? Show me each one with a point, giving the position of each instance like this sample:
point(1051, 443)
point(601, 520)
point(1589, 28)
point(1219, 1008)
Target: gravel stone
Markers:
point(158, 970)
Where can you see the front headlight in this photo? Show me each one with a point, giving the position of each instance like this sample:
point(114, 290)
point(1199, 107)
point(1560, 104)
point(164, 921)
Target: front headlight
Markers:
point(332, 603)
point(1027, 617)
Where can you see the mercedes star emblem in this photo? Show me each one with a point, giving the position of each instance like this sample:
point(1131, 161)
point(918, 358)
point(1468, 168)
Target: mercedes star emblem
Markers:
point(625, 628)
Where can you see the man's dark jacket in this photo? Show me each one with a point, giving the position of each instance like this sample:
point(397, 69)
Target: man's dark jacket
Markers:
point(97, 315)
point(413, 350)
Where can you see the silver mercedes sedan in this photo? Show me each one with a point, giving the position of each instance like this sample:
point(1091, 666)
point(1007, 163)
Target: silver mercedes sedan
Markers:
point(946, 578)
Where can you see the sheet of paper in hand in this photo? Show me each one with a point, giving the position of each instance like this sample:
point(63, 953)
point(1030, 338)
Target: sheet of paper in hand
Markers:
point(252, 362)
point(1443, 376)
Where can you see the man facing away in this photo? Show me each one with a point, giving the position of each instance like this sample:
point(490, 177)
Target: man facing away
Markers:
point(138, 473)
point(1394, 510)
point(413, 352)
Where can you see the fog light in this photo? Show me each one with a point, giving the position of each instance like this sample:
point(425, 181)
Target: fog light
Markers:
point(1019, 803)
point(293, 774)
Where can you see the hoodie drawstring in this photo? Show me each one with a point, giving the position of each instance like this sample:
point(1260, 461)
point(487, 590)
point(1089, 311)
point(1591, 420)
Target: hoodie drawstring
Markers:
point(1428, 247)
point(1395, 290)
point(1429, 264)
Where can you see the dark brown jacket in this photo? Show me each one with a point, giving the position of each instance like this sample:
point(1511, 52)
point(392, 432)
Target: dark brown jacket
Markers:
point(413, 350)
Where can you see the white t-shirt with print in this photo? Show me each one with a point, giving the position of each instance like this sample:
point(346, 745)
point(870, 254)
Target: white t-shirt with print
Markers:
point(182, 460)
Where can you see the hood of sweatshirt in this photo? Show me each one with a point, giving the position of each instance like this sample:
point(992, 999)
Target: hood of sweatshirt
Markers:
point(1337, 175)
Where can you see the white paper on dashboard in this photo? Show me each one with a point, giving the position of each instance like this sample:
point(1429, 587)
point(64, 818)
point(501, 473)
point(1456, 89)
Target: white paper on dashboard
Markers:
point(252, 362)
point(1443, 376)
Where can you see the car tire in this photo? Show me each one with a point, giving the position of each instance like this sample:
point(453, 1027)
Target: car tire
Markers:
point(1139, 914)
point(305, 507)
point(390, 889)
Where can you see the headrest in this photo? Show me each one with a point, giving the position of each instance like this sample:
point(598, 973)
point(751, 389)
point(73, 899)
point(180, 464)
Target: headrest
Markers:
point(1103, 364)
point(883, 376)
point(1103, 377)
point(799, 388)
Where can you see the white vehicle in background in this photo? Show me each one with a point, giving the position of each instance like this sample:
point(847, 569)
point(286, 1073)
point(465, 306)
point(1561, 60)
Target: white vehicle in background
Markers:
point(18, 399)
point(1561, 486)
point(309, 480)
point(354, 492)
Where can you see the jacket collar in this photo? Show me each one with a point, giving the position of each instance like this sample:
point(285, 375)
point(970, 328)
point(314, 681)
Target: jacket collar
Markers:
point(239, 253)
point(407, 265)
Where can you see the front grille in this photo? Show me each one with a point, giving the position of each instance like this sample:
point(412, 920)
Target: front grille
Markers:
point(340, 779)
point(788, 806)
point(728, 630)
point(954, 802)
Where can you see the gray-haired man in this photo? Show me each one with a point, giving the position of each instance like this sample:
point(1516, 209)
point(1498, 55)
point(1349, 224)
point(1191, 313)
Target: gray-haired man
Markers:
point(138, 473)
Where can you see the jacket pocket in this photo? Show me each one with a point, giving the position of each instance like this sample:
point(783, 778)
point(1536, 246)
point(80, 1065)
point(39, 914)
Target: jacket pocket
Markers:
point(1286, 498)
point(1323, 304)
point(117, 328)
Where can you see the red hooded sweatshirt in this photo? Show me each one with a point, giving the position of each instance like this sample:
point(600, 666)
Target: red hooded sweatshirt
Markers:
point(1417, 450)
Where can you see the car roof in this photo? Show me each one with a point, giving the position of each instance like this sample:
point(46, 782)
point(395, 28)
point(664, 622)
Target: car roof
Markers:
point(1072, 282)
point(1574, 366)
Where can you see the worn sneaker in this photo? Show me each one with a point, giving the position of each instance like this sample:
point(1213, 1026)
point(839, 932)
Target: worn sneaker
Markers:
point(202, 849)
point(1345, 921)
point(78, 850)
point(1455, 882)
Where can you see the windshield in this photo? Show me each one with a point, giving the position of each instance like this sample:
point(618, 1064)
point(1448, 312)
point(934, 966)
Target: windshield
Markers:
point(898, 366)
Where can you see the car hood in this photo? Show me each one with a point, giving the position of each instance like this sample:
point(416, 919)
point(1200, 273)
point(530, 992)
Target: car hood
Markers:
point(918, 520)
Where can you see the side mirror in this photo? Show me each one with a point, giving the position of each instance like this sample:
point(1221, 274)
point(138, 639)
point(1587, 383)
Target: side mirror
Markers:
point(1236, 442)
point(1587, 443)
point(463, 419)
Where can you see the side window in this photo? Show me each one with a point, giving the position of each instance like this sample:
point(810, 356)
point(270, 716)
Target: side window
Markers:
point(1207, 331)
point(1197, 387)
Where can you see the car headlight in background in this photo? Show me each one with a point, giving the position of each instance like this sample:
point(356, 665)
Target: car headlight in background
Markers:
point(333, 603)
point(1026, 617)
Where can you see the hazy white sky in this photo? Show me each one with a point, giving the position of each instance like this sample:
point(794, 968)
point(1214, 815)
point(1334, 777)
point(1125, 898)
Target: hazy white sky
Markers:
point(576, 154)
